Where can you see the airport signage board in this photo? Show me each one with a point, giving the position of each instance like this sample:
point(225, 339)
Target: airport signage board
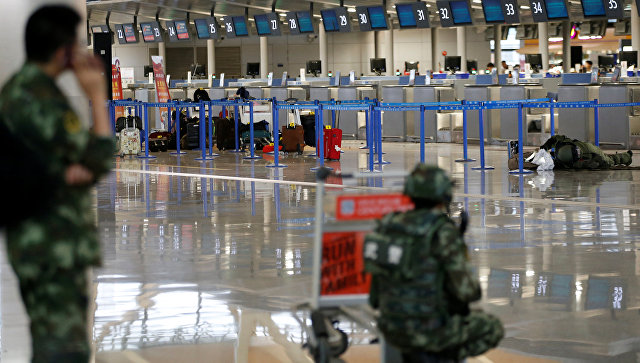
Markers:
point(510, 10)
point(413, 15)
point(126, 34)
point(538, 10)
point(614, 9)
point(268, 24)
point(151, 32)
point(178, 30)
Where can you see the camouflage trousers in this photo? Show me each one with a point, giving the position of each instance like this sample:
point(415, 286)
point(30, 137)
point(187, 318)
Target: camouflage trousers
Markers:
point(595, 158)
point(465, 336)
point(56, 303)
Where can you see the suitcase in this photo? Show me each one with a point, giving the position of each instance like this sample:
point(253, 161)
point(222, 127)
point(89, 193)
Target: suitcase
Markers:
point(159, 141)
point(225, 132)
point(332, 144)
point(123, 122)
point(130, 141)
point(293, 139)
point(309, 126)
point(261, 138)
point(193, 135)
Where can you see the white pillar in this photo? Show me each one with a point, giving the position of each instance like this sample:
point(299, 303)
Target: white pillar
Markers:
point(566, 46)
point(497, 46)
point(543, 43)
point(461, 35)
point(324, 60)
point(211, 57)
point(162, 52)
point(264, 57)
point(635, 29)
point(434, 50)
point(388, 50)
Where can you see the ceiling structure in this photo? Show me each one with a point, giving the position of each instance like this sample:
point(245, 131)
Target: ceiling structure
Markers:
point(124, 11)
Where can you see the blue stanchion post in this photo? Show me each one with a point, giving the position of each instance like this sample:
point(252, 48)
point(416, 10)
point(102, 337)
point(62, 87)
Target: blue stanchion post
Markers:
point(169, 124)
point(422, 146)
point(465, 139)
point(481, 136)
point(552, 119)
point(520, 144)
point(276, 140)
point(367, 125)
point(112, 115)
point(146, 131)
point(177, 123)
point(596, 122)
point(333, 115)
point(236, 112)
point(378, 139)
point(211, 154)
point(370, 137)
point(252, 151)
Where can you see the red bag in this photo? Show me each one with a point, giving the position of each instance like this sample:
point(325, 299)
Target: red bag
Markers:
point(332, 144)
point(270, 148)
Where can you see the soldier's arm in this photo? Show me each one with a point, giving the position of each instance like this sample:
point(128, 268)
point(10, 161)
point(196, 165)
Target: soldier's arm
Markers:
point(553, 141)
point(98, 157)
point(374, 291)
point(452, 252)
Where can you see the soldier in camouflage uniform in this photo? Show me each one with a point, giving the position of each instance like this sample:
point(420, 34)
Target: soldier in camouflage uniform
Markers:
point(51, 248)
point(575, 154)
point(421, 281)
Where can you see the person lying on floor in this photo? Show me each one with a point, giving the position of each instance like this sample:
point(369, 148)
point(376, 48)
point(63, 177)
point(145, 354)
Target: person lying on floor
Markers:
point(576, 154)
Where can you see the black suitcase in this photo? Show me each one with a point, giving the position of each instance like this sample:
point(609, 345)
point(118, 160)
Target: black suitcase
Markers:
point(225, 132)
point(309, 125)
point(193, 135)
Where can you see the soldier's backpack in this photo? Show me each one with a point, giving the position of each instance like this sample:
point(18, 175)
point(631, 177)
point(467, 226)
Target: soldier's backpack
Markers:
point(392, 253)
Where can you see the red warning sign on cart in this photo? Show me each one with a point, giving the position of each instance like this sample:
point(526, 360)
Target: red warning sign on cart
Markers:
point(343, 264)
point(362, 207)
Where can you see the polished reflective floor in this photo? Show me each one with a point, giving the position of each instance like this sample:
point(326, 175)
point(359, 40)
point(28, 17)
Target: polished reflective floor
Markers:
point(204, 261)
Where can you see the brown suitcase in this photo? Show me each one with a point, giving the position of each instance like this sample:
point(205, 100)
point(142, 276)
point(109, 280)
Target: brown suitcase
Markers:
point(293, 139)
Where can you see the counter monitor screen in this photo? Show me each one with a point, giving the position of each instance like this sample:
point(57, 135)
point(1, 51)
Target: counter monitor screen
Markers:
point(606, 61)
point(262, 24)
point(472, 65)
point(314, 67)
point(129, 33)
point(535, 60)
point(329, 20)
point(492, 11)
point(202, 28)
point(100, 29)
point(181, 29)
point(253, 69)
point(556, 9)
point(631, 57)
point(240, 25)
point(408, 66)
point(593, 8)
point(460, 12)
point(378, 65)
point(305, 24)
point(452, 63)
point(378, 18)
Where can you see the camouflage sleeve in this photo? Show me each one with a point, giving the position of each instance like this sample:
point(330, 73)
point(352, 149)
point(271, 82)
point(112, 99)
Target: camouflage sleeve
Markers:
point(374, 292)
point(452, 252)
point(98, 155)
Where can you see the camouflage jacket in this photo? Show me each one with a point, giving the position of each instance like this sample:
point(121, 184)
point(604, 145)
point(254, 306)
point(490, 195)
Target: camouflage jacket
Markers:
point(35, 112)
point(430, 283)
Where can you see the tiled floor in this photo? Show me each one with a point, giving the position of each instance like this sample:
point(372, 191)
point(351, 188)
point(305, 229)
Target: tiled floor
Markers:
point(204, 261)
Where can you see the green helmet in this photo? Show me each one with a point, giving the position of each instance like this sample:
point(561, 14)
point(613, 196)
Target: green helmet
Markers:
point(429, 183)
point(565, 154)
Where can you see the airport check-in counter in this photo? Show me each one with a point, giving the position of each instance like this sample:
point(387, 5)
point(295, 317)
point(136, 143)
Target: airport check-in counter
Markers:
point(620, 126)
point(481, 92)
point(352, 123)
point(576, 123)
point(433, 93)
point(324, 93)
point(395, 125)
point(509, 117)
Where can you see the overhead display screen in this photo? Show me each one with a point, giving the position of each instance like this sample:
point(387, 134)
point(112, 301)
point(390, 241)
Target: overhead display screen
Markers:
point(181, 29)
point(593, 8)
point(227, 23)
point(151, 32)
point(330, 20)
point(460, 12)
point(202, 28)
point(100, 29)
point(493, 11)
point(262, 24)
point(240, 24)
point(120, 34)
point(538, 11)
point(378, 18)
point(413, 15)
point(557, 9)
point(129, 33)
point(300, 22)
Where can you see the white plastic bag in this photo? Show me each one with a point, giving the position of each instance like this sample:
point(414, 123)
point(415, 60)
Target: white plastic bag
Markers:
point(544, 160)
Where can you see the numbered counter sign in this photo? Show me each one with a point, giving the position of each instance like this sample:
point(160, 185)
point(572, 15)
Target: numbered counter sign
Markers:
point(444, 13)
point(614, 9)
point(510, 10)
point(538, 11)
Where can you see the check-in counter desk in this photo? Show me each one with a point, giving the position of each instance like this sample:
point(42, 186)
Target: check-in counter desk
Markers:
point(576, 123)
point(620, 126)
point(324, 93)
point(481, 92)
point(535, 116)
point(437, 123)
point(353, 123)
point(395, 125)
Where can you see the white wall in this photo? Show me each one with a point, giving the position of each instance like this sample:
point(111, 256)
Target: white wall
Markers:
point(346, 51)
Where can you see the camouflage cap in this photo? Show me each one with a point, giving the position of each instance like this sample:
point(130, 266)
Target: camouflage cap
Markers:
point(429, 183)
point(565, 154)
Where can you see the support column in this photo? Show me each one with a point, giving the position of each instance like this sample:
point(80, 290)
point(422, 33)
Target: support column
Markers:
point(434, 50)
point(264, 57)
point(388, 50)
point(162, 52)
point(497, 47)
point(635, 29)
point(566, 46)
point(543, 43)
point(211, 57)
point(461, 35)
point(322, 40)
